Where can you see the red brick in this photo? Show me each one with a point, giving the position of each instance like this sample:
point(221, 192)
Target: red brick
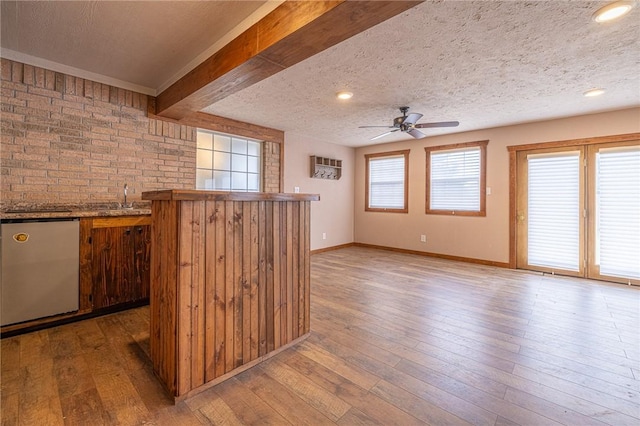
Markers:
point(14, 85)
point(5, 69)
point(39, 77)
point(37, 180)
point(66, 188)
point(12, 116)
point(12, 180)
point(49, 80)
point(61, 174)
point(33, 98)
point(41, 91)
point(16, 72)
point(69, 84)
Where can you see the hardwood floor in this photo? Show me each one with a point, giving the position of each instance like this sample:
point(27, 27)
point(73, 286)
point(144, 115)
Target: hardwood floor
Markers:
point(396, 339)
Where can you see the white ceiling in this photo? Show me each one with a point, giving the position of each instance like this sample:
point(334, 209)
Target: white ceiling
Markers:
point(483, 63)
point(146, 44)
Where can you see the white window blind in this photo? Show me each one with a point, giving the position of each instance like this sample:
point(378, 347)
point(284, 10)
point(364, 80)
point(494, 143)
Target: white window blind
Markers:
point(618, 211)
point(455, 180)
point(554, 210)
point(386, 182)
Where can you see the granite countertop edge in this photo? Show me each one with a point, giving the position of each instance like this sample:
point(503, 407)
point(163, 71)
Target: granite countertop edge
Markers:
point(76, 213)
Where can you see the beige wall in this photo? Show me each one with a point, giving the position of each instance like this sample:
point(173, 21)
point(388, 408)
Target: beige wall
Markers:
point(485, 238)
point(333, 214)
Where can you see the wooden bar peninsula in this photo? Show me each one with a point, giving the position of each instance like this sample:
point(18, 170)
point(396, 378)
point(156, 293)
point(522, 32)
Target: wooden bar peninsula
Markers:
point(230, 282)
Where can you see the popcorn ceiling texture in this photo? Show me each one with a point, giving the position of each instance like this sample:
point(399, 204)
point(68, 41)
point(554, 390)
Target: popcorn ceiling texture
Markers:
point(70, 140)
point(143, 43)
point(483, 63)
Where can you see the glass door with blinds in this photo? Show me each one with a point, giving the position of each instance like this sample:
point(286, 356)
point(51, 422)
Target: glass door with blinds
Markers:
point(614, 220)
point(578, 211)
point(550, 214)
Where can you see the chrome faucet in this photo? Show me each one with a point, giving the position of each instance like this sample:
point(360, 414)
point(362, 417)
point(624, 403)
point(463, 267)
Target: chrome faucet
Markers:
point(125, 205)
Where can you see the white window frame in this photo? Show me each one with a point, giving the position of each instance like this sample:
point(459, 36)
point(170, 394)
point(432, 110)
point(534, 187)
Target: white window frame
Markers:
point(405, 183)
point(453, 211)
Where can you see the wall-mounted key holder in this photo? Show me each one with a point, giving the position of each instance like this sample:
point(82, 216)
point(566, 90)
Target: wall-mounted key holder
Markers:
point(325, 168)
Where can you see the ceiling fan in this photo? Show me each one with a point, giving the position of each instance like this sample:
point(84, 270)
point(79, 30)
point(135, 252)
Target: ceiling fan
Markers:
point(407, 124)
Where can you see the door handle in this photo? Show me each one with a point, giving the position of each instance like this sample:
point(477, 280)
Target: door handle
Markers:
point(520, 217)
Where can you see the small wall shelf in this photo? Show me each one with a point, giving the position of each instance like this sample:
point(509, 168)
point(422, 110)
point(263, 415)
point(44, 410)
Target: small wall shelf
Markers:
point(325, 168)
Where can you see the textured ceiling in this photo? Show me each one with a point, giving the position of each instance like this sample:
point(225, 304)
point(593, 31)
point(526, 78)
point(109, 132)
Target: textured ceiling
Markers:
point(483, 63)
point(139, 42)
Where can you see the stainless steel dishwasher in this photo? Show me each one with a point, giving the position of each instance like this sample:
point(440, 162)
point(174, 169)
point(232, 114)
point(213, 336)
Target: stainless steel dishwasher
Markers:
point(40, 268)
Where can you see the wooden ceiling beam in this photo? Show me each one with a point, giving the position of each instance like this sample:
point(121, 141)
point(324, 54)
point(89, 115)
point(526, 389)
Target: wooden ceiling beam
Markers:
point(291, 33)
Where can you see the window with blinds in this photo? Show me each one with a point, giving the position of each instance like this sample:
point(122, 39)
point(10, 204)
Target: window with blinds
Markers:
point(618, 211)
point(554, 210)
point(456, 179)
point(386, 182)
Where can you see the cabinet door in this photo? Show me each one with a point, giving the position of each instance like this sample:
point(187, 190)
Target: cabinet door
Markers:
point(120, 264)
point(141, 274)
point(109, 265)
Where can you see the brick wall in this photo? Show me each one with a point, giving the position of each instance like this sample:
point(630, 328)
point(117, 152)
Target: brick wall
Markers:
point(69, 140)
point(271, 166)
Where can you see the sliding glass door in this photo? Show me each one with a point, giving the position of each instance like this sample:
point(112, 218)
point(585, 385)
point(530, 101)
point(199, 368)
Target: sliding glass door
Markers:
point(550, 220)
point(578, 211)
point(614, 225)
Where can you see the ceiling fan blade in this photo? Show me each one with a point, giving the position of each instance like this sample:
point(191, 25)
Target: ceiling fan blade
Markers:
point(438, 124)
point(412, 118)
point(384, 134)
point(371, 127)
point(416, 133)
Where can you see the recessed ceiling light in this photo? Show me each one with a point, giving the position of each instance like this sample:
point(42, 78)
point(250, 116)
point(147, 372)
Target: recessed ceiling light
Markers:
point(593, 92)
point(613, 11)
point(344, 95)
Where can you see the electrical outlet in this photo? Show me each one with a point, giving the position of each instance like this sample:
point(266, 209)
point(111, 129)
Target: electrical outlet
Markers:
point(296, 189)
point(423, 238)
point(324, 235)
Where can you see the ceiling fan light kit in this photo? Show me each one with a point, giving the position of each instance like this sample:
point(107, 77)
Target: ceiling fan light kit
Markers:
point(408, 124)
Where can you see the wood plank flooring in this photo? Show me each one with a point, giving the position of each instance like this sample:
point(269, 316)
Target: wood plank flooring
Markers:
point(396, 339)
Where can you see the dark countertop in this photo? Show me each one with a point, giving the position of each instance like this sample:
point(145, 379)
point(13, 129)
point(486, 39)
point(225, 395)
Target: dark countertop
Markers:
point(72, 211)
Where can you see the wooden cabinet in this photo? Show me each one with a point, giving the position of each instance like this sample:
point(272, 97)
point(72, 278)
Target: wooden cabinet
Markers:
point(115, 259)
point(120, 265)
point(117, 266)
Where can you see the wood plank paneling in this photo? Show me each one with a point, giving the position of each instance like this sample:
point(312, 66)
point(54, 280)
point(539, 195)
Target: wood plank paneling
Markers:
point(209, 309)
point(183, 300)
point(86, 276)
point(274, 280)
point(198, 290)
point(256, 265)
point(266, 253)
point(240, 288)
point(229, 331)
point(163, 313)
point(220, 289)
